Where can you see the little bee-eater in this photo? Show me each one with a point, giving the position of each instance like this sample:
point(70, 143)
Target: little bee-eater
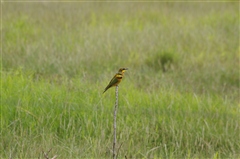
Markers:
point(116, 79)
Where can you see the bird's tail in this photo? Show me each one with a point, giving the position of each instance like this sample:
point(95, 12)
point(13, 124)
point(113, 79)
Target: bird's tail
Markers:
point(106, 89)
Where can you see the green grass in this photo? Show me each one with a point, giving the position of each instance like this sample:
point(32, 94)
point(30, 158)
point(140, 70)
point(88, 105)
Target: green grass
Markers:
point(58, 57)
point(77, 122)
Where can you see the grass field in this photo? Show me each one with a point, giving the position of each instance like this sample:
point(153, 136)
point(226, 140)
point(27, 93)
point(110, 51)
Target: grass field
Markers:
point(179, 99)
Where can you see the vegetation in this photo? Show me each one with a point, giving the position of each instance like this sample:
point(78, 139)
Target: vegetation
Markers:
point(179, 99)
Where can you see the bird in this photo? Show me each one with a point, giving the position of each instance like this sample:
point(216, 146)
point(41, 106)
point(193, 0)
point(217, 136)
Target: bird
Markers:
point(117, 78)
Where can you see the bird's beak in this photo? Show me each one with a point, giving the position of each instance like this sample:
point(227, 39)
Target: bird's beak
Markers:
point(124, 69)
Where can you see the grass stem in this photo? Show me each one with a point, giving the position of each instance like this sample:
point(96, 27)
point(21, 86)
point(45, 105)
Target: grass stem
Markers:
point(115, 125)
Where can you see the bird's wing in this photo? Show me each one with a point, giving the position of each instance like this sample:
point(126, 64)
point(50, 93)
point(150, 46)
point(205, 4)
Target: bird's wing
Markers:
point(113, 81)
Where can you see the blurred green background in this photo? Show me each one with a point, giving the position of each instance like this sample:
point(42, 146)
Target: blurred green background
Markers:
point(180, 97)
